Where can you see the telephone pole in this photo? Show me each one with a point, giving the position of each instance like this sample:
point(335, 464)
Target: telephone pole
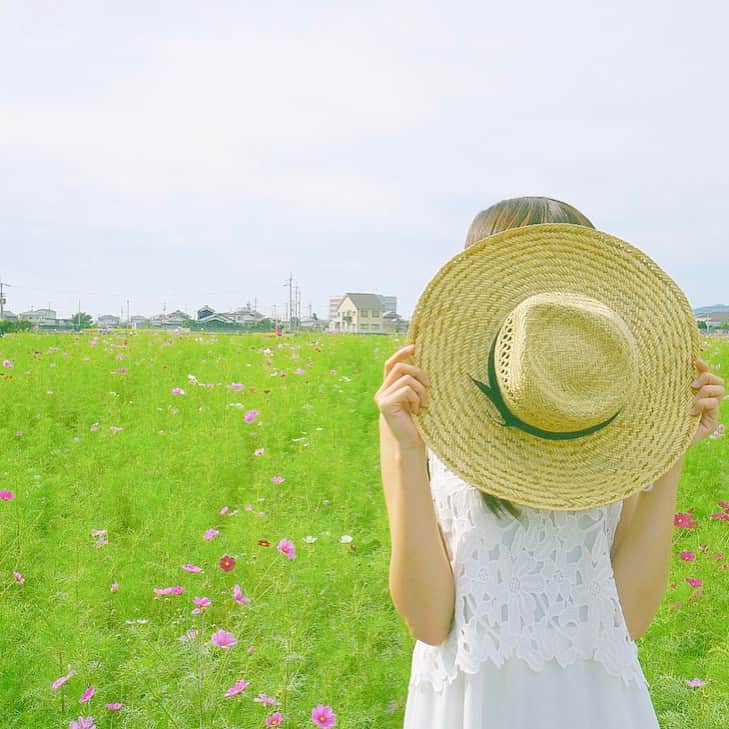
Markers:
point(2, 301)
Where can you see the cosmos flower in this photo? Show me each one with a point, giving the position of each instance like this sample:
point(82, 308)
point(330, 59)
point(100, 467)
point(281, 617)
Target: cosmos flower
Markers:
point(82, 723)
point(191, 568)
point(238, 595)
point(87, 694)
point(227, 563)
point(236, 688)
point(6, 495)
point(323, 716)
point(274, 719)
point(250, 416)
point(223, 639)
point(210, 534)
point(286, 547)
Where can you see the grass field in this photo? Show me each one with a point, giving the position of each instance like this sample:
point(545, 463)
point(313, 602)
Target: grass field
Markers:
point(120, 453)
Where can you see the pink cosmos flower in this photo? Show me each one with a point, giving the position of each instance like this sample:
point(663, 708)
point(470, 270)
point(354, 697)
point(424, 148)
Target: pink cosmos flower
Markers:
point(684, 521)
point(6, 495)
point(718, 555)
point(191, 568)
point(263, 699)
point(277, 479)
point(258, 452)
point(323, 717)
point(274, 719)
point(82, 723)
point(176, 590)
point(693, 582)
point(687, 556)
point(18, 577)
point(115, 706)
point(210, 534)
point(202, 601)
point(236, 688)
point(114, 586)
point(178, 391)
point(237, 386)
point(695, 682)
point(86, 695)
point(227, 563)
point(223, 511)
point(720, 515)
point(286, 547)
point(724, 505)
point(60, 681)
point(250, 416)
point(238, 595)
point(7, 364)
point(189, 635)
point(223, 639)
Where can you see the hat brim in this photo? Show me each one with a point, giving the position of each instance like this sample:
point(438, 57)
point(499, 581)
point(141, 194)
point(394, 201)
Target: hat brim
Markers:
point(460, 312)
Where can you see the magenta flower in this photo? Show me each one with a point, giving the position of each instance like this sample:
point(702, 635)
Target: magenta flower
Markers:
point(274, 719)
point(684, 521)
point(191, 568)
point(695, 682)
point(210, 534)
point(82, 723)
point(114, 586)
point(115, 706)
point(687, 556)
point(238, 595)
point(720, 515)
point(693, 582)
point(60, 681)
point(227, 563)
point(236, 688)
point(86, 695)
point(250, 416)
point(223, 511)
point(178, 391)
point(223, 639)
point(724, 505)
point(18, 577)
point(202, 601)
point(286, 547)
point(323, 717)
point(6, 495)
point(236, 386)
point(277, 479)
point(8, 364)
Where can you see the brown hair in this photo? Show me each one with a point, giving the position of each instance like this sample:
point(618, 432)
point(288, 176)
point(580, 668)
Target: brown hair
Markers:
point(513, 213)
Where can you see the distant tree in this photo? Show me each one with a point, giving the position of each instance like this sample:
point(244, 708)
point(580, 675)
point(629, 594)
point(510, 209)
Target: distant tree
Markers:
point(702, 325)
point(82, 320)
point(21, 325)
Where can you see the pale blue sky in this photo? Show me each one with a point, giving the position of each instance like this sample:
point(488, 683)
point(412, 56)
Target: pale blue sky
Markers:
point(197, 152)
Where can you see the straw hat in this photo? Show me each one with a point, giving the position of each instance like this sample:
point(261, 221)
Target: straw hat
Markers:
point(560, 361)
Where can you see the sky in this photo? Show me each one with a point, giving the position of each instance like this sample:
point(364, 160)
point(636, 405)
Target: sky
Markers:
point(181, 154)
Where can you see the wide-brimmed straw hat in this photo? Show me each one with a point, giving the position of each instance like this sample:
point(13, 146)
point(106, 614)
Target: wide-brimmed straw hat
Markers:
point(560, 361)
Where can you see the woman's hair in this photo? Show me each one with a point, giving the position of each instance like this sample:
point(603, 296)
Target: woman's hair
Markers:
point(513, 213)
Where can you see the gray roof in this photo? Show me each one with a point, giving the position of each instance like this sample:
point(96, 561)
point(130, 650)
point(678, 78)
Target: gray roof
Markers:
point(366, 301)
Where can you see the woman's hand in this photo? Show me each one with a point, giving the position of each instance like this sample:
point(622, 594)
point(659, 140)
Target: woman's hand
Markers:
point(403, 391)
point(709, 391)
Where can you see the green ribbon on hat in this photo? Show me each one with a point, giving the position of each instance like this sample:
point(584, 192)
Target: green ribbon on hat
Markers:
point(510, 419)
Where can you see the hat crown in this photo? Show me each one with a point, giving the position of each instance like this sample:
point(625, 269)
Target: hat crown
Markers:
point(565, 361)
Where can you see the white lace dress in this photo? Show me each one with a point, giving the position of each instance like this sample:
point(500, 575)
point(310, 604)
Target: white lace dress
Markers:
point(538, 640)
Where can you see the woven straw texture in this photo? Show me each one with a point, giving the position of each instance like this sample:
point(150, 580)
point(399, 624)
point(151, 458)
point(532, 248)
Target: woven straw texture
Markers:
point(459, 314)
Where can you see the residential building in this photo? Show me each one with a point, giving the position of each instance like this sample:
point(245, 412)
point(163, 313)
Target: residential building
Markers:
point(362, 313)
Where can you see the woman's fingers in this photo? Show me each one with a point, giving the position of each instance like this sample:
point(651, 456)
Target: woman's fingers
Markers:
point(709, 405)
point(709, 391)
point(411, 382)
point(399, 355)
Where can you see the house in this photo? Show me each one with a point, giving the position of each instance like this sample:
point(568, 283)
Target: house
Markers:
point(42, 317)
point(216, 318)
point(245, 315)
point(108, 321)
point(204, 311)
point(9, 316)
point(363, 313)
point(140, 322)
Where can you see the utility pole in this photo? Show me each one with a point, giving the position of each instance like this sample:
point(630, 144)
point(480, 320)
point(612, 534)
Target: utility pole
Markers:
point(2, 301)
point(289, 284)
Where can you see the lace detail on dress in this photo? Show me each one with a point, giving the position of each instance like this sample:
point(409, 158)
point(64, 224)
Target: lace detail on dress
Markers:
point(540, 589)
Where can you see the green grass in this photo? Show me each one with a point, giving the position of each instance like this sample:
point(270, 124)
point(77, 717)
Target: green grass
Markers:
point(320, 628)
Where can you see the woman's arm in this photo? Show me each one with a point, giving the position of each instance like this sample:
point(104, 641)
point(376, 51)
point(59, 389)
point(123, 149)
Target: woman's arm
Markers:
point(421, 580)
point(642, 559)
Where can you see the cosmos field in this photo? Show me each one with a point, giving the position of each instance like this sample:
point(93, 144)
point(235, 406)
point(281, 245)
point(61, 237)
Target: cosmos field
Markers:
point(193, 535)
